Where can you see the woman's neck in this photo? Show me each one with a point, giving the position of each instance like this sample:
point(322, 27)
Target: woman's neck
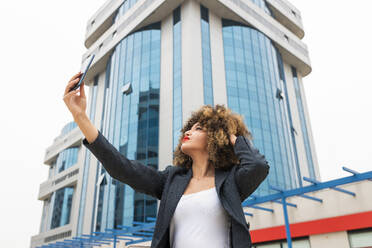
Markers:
point(202, 170)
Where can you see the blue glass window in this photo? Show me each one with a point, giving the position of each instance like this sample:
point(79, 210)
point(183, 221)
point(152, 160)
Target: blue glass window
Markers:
point(102, 188)
point(131, 124)
point(262, 5)
point(124, 7)
point(68, 127)
point(252, 80)
point(62, 207)
point(52, 169)
point(206, 56)
point(67, 158)
point(177, 75)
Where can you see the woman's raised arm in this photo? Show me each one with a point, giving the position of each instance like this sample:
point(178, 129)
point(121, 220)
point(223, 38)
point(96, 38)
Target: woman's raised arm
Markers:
point(142, 178)
point(253, 167)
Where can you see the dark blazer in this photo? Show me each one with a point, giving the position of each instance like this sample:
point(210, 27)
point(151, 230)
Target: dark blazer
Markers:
point(233, 185)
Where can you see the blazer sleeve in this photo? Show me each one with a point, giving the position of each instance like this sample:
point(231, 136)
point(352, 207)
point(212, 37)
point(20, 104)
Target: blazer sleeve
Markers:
point(142, 178)
point(253, 167)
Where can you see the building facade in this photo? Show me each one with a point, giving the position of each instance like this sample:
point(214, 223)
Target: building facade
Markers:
point(157, 61)
point(339, 220)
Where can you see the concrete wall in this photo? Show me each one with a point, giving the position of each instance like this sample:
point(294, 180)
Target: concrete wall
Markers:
point(336, 239)
point(334, 204)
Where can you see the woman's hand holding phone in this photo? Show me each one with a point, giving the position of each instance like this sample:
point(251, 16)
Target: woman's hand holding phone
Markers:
point(75, 103)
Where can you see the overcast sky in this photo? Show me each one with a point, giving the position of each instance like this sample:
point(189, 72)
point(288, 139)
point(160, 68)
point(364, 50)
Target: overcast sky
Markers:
point(41, 47)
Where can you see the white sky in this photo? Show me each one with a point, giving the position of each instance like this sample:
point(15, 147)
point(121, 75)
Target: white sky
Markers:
point(41, 47)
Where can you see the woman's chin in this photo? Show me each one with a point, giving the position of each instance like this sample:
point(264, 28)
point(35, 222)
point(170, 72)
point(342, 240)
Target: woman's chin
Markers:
point(184, 149)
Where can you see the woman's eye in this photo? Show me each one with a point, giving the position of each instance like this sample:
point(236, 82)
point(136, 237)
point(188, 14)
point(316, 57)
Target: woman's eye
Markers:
point(198, 128)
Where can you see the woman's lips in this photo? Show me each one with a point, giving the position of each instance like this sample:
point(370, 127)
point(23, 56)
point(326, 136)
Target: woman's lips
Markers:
point(185, 139)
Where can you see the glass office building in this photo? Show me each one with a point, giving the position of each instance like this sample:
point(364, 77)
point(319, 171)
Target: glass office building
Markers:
point(157, 62)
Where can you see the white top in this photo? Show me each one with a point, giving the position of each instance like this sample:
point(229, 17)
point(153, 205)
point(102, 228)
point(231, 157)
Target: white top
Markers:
point(200, 221)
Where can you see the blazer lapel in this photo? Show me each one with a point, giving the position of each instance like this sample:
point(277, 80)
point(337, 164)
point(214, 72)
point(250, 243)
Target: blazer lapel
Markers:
point(220, 176)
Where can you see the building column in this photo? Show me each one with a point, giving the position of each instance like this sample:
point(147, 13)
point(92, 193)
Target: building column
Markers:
point(300, 146)
point(309, 128)
point(192, 65)
point(218, 59)
point(166, 94)
point(90, 197)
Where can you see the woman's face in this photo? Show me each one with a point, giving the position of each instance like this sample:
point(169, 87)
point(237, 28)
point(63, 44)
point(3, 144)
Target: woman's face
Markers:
point(194, 141)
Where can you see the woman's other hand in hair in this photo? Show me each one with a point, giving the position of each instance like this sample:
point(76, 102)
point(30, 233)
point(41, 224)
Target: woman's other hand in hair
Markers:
point(232, 139)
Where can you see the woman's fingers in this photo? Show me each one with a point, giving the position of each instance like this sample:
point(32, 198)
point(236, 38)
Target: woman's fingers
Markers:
point(73, 79)
point(76, 75)
point(71, 84)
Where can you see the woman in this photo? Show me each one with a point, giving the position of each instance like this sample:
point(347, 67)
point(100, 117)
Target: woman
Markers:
point(216, 168)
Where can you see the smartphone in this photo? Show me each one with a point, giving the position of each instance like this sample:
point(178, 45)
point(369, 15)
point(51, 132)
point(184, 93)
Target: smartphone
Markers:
point(83, 76)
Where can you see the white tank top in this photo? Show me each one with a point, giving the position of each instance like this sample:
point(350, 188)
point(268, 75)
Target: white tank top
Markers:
point(200, 221)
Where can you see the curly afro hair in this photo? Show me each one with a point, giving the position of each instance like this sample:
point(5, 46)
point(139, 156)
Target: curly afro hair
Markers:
point(219, 122)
